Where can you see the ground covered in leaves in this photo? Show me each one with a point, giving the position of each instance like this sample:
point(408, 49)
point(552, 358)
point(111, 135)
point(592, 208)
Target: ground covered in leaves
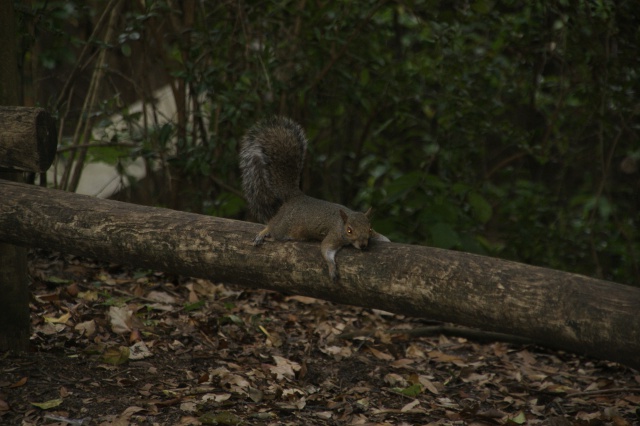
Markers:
point(117, 346)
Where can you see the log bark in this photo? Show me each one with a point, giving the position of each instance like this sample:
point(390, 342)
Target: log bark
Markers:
point(556, 309)
point(28, 138)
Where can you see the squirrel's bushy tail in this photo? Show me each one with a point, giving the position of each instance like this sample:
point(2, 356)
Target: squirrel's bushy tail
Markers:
point(271, 159)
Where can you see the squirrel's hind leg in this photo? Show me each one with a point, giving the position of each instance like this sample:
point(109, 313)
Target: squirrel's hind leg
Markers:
point(259, 239)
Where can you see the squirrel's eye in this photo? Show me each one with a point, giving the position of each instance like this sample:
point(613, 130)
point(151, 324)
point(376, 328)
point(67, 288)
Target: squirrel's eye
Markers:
point(370, 230)
point(349, 230)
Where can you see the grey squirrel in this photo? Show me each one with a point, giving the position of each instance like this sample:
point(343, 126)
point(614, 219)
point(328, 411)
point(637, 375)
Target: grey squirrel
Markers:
point(271, 160)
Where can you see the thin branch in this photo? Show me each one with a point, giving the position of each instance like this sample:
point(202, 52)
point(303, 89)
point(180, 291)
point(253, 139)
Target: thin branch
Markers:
point(97, 28)
point(97, 145)
point(605, 392)
point(448, 330)
point(504, 163)
point(94, 87)
point(346, 45)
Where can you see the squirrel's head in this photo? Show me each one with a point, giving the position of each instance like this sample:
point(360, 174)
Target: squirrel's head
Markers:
point(357, 228)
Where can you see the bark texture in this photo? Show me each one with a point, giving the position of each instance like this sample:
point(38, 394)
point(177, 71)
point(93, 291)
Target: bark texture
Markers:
point(28, 138)
point(556, 309)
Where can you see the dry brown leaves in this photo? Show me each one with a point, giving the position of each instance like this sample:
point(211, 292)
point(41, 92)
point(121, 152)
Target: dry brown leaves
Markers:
point(115, 346)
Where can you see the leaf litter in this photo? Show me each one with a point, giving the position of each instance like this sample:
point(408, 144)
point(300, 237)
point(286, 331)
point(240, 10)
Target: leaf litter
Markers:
point(113, 345)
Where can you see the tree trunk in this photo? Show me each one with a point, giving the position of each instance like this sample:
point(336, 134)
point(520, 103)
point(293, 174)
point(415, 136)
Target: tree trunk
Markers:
point(554, 308)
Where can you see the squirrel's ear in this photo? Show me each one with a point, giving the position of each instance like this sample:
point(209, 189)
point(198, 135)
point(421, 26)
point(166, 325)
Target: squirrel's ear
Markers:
point(369, 212)
point(344, 216)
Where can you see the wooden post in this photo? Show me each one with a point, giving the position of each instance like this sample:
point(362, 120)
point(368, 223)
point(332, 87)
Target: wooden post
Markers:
point(28, 141)
point(14, 303)
point(14, 294)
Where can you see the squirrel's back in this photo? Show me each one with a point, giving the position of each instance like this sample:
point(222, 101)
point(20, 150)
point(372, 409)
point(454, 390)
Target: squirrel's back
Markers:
point(271, 160)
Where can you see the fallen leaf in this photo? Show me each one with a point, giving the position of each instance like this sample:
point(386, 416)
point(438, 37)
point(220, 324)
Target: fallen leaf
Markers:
point(442, 357)
point(57, 280)
point(324, 415)
point(72, 289)
point(519, 419)
point(216, 397)
point(50, 329)
point(236, 383)
point(189, 407)
point(116, 355)
point(256, 395)
point(19, 383)
point(527, 357)
point(60, 320)
point(397, 380)
point(264, 415)
point(411, 391)
point(130, 411)
point(88, 296)
point(363, 403)
point(87, 328)
point(139, 351)
point(493, 413)
point(428, 385)
point(303, 299)
point(338, 352)
point(48, 404)
point(225, 418)
point(634, 399)
point(161, 297)
point(120, 318)
point(402, 363)
point(274, 338)
point(410, 406)
point(284, 369)
point(415, 352)
point(380, 355)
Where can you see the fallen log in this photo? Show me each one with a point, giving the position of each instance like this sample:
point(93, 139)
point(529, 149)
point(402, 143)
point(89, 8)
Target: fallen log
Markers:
point(556, 309)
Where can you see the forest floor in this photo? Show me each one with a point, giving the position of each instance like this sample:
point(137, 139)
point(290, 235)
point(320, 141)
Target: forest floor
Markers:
point(117, 346)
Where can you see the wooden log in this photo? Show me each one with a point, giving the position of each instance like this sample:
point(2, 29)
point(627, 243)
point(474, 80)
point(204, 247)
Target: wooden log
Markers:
point(28, 139)
point(554, 308)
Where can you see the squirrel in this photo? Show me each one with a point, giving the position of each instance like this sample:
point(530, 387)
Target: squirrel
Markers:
point(272, 155)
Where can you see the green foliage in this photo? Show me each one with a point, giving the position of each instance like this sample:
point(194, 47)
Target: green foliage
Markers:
point(494, 127)
point(195, 306)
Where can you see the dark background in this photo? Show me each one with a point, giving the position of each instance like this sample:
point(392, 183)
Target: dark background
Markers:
point(495, 127)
